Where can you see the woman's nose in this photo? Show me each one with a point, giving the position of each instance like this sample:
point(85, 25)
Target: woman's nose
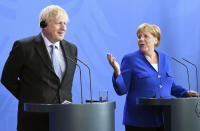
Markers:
point(141, 38)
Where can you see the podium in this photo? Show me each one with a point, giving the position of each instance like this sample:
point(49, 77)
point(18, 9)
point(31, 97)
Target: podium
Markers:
point(77, 117)
point(180, 114)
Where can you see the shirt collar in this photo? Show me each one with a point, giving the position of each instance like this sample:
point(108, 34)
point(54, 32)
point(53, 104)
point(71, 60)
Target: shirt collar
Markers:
point(48, 43)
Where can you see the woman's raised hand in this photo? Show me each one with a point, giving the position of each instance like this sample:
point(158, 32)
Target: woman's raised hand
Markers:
point(114, 64)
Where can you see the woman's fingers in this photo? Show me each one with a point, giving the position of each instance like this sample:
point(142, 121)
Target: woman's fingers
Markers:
point(111, 59)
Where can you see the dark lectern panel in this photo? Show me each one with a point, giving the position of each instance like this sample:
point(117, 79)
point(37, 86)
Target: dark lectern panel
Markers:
point(181, 114)
point(78, 117)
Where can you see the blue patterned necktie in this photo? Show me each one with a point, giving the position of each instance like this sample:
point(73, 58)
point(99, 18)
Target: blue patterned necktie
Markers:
point(55, 61)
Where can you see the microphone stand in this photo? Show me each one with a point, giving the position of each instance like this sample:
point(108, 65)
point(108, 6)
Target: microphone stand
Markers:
point(80, 77)
point(196, 74)
point(89, 77)
point(186, 68)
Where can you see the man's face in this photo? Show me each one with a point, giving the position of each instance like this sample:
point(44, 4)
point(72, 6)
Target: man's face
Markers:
point(56, 29)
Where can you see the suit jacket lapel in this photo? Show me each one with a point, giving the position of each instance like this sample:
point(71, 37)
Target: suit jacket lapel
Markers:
point(66, 52)
point(42, 51)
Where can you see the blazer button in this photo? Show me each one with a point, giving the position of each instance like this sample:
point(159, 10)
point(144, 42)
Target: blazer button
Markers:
point(160, 86)
point(159, 76)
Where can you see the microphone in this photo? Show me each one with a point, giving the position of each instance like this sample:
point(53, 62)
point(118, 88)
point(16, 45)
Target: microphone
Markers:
point(89, 79)
point(186, 68)
point(80, 76)
point(196, 74)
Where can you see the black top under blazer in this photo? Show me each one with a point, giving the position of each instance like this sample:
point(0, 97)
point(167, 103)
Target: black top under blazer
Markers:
point(29, 75)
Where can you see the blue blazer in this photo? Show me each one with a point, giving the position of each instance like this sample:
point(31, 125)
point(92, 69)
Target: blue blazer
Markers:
point(138, 79)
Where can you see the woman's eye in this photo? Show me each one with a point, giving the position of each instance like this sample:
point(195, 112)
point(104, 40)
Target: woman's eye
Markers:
point(146, 36)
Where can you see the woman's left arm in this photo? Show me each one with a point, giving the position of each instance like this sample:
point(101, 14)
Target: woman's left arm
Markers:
point(179, 91)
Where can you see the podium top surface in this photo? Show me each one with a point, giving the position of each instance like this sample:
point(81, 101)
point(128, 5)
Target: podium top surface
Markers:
point(34, 107)
point(166, 101)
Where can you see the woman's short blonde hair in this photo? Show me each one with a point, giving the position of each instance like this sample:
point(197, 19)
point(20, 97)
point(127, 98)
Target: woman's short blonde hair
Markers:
point(153, 29)
point(51, 12)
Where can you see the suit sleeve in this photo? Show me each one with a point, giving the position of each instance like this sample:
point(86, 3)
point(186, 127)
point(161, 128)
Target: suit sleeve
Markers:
point(123, 81)
point(12, 69)
point(76, 51)
point(178, 90)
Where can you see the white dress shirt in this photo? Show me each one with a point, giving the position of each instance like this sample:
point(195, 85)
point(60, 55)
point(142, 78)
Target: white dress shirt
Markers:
point(155, 66)
point(59, 52)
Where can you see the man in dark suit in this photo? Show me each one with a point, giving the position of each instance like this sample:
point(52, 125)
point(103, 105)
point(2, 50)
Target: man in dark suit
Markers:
point(30, 74)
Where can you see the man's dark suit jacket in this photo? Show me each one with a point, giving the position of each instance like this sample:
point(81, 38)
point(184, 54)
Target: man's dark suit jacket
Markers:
point(28, 74)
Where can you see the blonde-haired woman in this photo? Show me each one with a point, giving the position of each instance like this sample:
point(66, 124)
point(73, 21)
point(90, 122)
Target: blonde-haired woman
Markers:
point(145, 73)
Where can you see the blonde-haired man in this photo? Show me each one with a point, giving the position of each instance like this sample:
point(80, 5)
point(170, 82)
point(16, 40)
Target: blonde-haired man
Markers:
point(37, 69)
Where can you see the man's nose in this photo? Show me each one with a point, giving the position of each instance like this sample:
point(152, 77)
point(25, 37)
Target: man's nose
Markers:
point(63, 27)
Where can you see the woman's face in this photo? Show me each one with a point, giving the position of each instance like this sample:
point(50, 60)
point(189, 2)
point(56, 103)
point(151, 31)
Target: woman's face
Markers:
point(146, 41)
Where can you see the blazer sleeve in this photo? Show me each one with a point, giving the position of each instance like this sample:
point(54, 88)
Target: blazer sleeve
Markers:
point(123, 81)
point(12, 68)
point(178, 90)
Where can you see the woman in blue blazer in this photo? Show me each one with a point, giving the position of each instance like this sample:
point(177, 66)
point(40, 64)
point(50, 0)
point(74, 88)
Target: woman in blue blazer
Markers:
point(145, 73)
